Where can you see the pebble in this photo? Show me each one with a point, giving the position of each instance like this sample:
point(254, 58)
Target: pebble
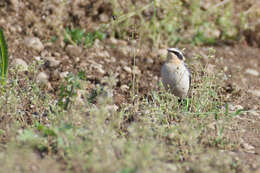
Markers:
point(34, 43)
point(110, 60)
point(255, 92)
point(42, 77)
point(235, 107)
point(38, 58)
point(99, 69)
point(73, 51)
point(56, 54)
point(52, 61)
point(149, 60)
point(248, 147)
point(225, 69)
point(103, 54)
point(97, 66)
point(21, 64)
point(103, 17)
point(127, 69)
point(64, 74)
point(252, 72)
point(112, 40)
point(124, 87)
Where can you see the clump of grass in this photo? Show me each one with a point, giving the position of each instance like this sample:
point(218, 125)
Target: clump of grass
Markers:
point(68, 89)
point(78, 36)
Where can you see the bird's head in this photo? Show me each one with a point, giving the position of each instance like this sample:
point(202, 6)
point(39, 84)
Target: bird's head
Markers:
point(175, 55)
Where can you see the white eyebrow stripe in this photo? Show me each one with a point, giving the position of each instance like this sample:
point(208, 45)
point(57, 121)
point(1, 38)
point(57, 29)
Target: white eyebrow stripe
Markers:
point(177, 52)
point(174, 50)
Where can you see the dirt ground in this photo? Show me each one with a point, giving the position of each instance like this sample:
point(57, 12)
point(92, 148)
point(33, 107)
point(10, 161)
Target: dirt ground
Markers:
point(113, 56)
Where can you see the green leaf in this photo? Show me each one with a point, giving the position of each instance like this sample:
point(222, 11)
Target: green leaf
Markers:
point(76, 35)
point(3, 57)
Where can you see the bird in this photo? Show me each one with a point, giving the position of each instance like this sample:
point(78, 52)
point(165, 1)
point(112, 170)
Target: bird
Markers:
point(175, 75)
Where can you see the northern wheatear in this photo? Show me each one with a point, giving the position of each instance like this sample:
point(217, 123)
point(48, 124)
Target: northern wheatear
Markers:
point(175, 76)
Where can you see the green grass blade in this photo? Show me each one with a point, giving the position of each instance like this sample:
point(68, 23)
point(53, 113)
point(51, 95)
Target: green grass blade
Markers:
point(3, 57)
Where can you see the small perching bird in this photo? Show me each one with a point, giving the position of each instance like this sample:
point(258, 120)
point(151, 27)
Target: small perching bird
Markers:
point(175, 75)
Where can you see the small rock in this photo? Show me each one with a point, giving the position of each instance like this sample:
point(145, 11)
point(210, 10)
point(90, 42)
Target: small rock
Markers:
point(73, 51)
point(100, 69)
point(252, 72)
point(21, 64)
point(77, 59)
point(255, 92)
point(225, 69)
point(124, 87)
point(64, 74)
point(52, 62)
point(56, 54)
point(13, 29)
point(235, 107)
point(124, 63)
point(103, 54)
point(48, 44)
point(127, 69)
point(149, 60)
point(247, 146)
point(254, 113)
point(97, 66)
point(110, 60)
point(34, 43)
point(38, 58)
point(112, 40)
point(103, 17)
point(42, 77)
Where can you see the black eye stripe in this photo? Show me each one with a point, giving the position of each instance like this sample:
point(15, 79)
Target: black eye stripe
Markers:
point(176, 52)
point(179, 55)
